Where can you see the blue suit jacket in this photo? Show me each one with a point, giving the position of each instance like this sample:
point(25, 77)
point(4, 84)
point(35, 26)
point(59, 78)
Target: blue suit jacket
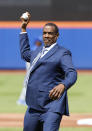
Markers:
point(52, 69)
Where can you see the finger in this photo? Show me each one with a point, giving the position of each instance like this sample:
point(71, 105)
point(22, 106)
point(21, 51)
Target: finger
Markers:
point(52, 91)
point(23, 20)
point(59, 95)
point(27, 13)
point(53, 94)
point(29, 16)
point(56, 95)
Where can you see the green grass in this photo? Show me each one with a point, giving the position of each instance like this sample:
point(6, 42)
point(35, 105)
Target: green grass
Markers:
point(11, 129)
point(62, 129)
point(80, 95)
point(10, 88)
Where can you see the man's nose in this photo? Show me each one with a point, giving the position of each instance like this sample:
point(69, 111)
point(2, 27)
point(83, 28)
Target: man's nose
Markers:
point(46, 35)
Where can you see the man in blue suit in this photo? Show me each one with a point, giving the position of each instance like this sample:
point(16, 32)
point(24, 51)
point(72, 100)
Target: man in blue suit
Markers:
point(51, 75)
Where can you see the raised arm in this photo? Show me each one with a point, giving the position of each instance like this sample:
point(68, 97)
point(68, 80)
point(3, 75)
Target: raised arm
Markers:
point(24, 41)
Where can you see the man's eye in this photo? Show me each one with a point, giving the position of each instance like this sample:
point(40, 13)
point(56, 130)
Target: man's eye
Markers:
point(50, 33)
point(44, 32)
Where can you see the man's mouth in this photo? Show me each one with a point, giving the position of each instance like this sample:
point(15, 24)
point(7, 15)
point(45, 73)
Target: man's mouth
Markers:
point(46, 39)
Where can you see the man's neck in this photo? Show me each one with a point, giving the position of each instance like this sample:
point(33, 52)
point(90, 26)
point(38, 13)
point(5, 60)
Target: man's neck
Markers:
point(48, 45)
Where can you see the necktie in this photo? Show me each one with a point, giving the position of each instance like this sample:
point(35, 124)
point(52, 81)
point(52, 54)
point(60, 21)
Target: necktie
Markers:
point(44, 50)
point(33, 64)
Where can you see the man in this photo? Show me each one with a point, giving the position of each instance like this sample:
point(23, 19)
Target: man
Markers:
point(51, 75)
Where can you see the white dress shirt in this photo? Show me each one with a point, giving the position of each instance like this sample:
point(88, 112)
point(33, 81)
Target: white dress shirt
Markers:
point(47, 49)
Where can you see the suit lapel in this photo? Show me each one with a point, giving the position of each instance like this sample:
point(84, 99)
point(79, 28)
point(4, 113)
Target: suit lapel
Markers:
point(49, 54)
point(35, 53)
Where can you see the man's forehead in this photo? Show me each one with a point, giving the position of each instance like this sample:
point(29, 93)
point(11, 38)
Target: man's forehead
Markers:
point(49, 28)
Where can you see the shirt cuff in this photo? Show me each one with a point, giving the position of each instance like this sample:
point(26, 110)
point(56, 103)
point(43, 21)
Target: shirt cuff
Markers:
point(23, 32)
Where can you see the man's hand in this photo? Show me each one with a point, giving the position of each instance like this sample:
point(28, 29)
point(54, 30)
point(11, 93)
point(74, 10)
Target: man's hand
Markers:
point(57, 91)
point(25, 22)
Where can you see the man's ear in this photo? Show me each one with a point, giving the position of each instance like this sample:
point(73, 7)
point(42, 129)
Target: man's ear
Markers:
point(57, 34)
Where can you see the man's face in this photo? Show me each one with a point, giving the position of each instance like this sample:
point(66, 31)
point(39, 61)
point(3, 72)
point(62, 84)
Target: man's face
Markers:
point(49, 35)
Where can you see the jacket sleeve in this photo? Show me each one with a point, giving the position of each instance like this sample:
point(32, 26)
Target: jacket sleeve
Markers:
point(25, 47)
point(69, 70)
